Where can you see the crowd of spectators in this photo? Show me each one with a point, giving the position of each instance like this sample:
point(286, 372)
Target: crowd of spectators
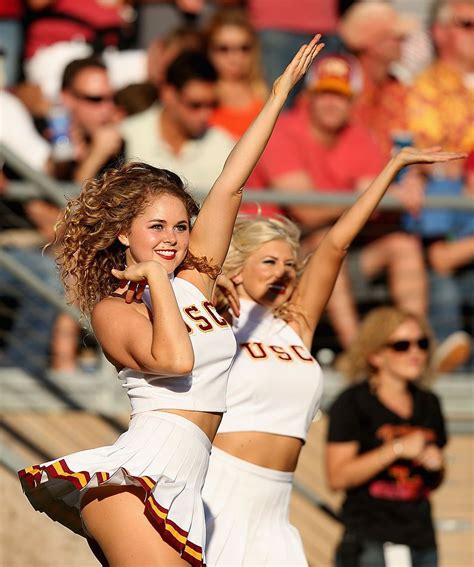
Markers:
point(88, 84)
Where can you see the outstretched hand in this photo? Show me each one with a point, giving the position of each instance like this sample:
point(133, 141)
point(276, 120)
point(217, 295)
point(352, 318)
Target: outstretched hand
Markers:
point(298, 67)
point(409, 156)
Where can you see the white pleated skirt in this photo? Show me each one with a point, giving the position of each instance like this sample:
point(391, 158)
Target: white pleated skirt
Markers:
point(165, 454)
point(247, 509)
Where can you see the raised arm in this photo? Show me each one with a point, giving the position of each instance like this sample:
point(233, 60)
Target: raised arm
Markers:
point(212, 231)
point(319, 277)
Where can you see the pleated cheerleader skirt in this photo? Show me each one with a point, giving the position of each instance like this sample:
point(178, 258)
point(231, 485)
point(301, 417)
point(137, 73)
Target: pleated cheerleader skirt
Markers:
point(247, 509)
point(165, 454)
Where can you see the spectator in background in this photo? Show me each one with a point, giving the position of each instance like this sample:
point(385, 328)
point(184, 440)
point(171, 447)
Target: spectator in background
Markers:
point(441, 112)
point(234, 51)
point(283, 25)
point(441, 102)
point(96, 140)
point(374, 32)
point(29, 340)
point(176, 134)
point(385, 444)
point(318, 146)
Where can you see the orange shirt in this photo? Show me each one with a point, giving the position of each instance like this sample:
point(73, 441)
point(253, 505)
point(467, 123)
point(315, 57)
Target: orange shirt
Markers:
point(236, 120)
point(381, 108)
point(441, 109)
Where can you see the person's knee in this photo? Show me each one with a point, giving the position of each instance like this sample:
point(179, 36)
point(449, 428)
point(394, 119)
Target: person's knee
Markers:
point(404, 244)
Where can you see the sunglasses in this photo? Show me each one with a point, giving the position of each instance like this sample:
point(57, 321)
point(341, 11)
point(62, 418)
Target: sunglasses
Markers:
point(464, 24)
point(200, 104)
point(405, 345)
point(94, 99)
point(223, 48)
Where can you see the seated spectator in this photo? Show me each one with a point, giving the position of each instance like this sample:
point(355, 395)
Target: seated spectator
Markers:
point(316, 146)
point(96, 140)
point(374, 32)
point(385, 444)
point(36, 327)
point(440, 104)
point(448, 237)
point(441, 112)
point(176, 134)
point(233, 50)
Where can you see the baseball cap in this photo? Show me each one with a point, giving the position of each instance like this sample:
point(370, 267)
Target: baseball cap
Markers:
point(334, 74)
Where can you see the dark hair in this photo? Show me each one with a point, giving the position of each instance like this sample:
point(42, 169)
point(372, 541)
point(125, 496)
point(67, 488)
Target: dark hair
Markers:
point(75, 67)
point(189, 66)
point(136, 98)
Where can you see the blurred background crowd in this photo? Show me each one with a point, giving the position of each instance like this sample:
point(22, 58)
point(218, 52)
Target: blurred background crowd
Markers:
point(88, 84)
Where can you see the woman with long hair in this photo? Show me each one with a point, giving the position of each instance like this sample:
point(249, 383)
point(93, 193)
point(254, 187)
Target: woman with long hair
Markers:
point(385, 443)
point(233, 49)
point(129, 229)
point(275, 384)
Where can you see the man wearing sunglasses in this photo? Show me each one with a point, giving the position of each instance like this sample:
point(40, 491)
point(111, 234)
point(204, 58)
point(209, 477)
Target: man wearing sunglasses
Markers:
point(441, 100)
point(176, 134)
point(88, 96)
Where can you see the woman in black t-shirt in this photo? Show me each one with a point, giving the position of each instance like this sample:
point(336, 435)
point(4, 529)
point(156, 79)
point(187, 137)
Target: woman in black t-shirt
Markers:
point(385, 440)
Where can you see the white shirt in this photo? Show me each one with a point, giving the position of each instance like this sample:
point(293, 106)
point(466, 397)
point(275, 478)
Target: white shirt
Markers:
point(275, 385)
point(18, 132)
point(213, 342)
point(199, 162)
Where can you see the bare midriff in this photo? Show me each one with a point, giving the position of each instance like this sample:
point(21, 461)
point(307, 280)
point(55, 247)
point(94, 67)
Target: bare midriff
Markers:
point(277, 452)
point(207, 421)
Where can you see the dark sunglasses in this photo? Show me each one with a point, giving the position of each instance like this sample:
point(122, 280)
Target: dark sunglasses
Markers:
point(465, 24)
point(404, 346)
point(223, 48)
point(94, 99)
point(200, 104)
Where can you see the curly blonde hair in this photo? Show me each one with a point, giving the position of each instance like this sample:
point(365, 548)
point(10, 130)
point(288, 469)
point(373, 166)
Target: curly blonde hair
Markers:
point(251, 232)
point(374, 334)
point(86, 233)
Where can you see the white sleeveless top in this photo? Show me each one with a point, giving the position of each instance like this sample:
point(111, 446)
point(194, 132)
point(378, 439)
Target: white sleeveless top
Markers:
point(213, 342)
point(275, 385)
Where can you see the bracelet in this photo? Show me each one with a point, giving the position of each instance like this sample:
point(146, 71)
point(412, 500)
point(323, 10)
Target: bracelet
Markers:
point(397, 447)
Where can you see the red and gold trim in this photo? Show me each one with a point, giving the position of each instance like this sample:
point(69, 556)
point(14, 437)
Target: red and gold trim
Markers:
point(170, 532)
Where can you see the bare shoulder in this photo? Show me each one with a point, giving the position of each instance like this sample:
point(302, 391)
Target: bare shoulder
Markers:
point(110, 311)
point(202, 282)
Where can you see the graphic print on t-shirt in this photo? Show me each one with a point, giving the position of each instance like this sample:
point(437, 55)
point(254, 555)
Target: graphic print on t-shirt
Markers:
point(403, 480)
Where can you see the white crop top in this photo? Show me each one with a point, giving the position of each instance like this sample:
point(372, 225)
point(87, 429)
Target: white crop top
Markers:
point(275, 385)
point(213, 342)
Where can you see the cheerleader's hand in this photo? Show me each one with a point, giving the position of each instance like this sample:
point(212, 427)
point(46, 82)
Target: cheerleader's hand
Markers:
point(297, 68)
point(409, 156)
point(136, 277)
point(229, 291)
